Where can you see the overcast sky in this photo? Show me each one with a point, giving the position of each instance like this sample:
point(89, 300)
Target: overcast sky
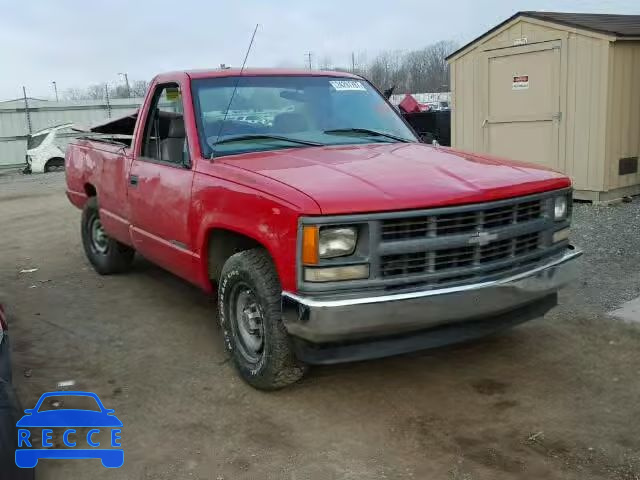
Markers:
point(77, 43)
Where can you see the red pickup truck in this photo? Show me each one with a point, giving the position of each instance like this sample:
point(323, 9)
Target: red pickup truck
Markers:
point(329, 232)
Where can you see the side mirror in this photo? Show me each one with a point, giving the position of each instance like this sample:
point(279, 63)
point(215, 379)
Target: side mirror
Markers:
point(109, 411)
point(29, 411)
point(427, 137)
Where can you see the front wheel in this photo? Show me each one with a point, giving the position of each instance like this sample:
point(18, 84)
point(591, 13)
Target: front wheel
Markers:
point(249, 307)
point(106, 254)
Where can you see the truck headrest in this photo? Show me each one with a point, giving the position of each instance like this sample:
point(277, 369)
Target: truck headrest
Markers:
point(176, 128)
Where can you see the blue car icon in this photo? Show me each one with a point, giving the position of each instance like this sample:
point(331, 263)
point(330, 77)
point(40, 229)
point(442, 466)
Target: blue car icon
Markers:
point(27, 457)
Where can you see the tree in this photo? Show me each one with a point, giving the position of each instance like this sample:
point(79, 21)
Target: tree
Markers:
point(416, 71)
point(139, 88)
point(388, 69)
point(97, 91)
point(325, 63)
point(73, 94)
point(436, 67)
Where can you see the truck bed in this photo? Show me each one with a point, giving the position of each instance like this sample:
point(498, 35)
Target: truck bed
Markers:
point(89, 163)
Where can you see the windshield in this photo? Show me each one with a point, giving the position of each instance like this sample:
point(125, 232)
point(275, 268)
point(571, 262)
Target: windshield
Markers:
point(273, 112)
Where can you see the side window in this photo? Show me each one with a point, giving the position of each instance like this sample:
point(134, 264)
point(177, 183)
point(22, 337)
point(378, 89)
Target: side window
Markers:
point(164, 134)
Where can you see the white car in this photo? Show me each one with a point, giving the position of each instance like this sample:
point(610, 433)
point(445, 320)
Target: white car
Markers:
point(45, 148)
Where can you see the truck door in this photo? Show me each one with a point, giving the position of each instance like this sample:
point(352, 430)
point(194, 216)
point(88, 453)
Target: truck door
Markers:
point(160, 186)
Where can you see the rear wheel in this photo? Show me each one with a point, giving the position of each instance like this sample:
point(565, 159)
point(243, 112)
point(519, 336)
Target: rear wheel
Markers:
point(249, 297)
point(106, 254)
point(54, 164)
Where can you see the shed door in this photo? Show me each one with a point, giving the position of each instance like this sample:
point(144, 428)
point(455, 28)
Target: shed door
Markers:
point(523, 103)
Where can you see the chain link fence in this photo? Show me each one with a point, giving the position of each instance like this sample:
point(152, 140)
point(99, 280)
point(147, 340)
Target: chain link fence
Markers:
point(25, 116)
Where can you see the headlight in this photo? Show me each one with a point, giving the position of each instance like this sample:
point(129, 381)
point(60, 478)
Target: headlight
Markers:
point(560, 208)
point(337, 242)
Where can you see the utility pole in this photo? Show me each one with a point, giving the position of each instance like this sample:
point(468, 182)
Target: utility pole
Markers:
point(126, 80)
point(26, 109)
point(55, 89)
point(106, 96)
point(308, 55)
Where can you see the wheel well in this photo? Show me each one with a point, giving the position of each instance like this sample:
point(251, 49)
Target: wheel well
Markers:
point(224, 243)
point(90, 190)
point(54, 161)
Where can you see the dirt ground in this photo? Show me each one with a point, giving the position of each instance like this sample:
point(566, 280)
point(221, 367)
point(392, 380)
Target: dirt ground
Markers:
point(556, 398)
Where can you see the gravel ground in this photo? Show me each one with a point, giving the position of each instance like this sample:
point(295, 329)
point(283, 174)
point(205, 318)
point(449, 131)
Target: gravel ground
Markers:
point(610, 237)
point(555, 398)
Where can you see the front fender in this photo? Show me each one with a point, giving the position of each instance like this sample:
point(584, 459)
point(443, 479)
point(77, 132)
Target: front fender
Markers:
point(265, 219)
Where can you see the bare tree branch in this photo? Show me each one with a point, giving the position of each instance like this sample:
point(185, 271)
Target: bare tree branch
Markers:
point(97, 91)
point(417, 71)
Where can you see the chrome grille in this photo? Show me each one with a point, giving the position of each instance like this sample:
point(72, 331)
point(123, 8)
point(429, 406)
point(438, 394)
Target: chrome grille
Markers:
point(454, 258)
point(459, 244)
point(460, 222)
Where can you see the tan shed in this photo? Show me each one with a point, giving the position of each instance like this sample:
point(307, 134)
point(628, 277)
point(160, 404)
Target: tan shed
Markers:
point(556, 89)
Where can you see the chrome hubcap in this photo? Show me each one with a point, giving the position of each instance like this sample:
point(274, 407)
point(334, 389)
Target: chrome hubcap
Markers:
point(99, 239)
point(249, 322)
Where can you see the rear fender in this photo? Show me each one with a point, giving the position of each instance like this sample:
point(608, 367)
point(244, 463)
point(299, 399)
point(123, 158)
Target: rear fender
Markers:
point(78, 176)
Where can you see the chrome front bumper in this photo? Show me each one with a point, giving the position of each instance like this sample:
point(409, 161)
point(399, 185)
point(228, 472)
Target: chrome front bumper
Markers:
point(323, 320)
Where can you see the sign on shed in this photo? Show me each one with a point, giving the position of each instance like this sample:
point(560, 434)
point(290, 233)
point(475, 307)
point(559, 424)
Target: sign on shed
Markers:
point(520, 82)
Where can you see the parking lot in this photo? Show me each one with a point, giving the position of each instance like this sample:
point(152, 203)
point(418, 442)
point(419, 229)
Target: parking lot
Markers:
point(555, 398)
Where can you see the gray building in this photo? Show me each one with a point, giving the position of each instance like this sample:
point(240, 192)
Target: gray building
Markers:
point(19, 118)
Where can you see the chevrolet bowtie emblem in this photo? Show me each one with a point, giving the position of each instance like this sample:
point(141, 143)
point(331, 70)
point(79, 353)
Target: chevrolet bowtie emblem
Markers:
point(482, 238)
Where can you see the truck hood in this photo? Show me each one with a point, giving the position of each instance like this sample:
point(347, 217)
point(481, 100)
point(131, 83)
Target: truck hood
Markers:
point(383, 177)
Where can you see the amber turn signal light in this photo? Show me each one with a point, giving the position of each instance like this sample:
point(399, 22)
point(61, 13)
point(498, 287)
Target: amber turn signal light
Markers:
point(310, 245)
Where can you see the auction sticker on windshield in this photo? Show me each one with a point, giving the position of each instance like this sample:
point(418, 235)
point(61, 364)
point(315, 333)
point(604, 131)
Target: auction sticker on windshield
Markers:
point(347, 85)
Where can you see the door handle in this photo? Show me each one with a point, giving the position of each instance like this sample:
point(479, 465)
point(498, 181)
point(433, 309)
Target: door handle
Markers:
point(133, 180)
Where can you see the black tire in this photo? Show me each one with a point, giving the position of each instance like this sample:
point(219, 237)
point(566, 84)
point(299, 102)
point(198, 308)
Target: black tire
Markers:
point(108, 255)
point(53, 164)
point(10, 413)
point(273, 365)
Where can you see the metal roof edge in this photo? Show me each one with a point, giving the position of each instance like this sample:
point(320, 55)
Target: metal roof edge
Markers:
point(539, 18)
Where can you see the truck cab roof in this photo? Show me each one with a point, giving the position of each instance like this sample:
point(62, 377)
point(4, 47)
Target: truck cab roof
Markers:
point(250, 72)
point(257, 72)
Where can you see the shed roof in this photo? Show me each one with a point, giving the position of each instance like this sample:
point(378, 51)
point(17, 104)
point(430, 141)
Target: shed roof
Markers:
point(620, 26)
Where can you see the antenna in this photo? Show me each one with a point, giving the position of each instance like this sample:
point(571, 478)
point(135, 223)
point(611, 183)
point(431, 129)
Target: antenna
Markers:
point(233, 94)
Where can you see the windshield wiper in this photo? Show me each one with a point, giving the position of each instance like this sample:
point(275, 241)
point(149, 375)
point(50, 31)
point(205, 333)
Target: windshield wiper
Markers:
point(264, 136)
point(366, 131)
